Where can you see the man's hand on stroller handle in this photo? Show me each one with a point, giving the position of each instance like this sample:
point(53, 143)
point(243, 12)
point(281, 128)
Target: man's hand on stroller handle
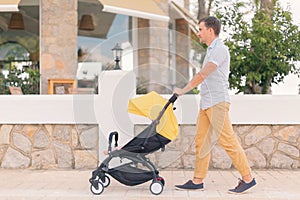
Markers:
point(178, 91)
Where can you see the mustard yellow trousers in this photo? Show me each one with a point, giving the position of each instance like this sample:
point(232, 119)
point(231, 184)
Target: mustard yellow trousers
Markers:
point(214, 125)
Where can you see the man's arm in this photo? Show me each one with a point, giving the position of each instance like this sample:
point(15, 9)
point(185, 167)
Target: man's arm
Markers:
point(197, 79)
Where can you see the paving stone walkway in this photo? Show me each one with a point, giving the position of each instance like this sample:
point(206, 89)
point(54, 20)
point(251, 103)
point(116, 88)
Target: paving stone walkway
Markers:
point(73, 185)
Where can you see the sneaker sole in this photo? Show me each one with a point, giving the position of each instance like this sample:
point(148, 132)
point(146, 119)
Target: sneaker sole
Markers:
point(181, 189)
point(230, 192)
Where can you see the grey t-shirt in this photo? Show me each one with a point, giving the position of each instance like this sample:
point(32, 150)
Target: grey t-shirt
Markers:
point(214, 89)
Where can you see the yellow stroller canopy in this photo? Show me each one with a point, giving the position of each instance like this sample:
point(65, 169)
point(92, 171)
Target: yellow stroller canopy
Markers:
point(150, 105)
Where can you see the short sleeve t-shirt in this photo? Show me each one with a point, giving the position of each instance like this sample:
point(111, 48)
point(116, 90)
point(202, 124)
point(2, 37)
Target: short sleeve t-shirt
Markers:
point(214, 89)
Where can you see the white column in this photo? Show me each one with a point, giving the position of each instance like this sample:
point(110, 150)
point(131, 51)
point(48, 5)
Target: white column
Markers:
point(116, 88)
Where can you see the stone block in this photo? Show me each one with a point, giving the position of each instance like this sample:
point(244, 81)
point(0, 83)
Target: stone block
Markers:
point(63, 155)
point(30, 130)
point(220, 159)
point(267, 146)
point(257, 134)
point(168, 158)
point(74, 139)
point(281, 161)
point(41, 139)
point(44, 159)
point(176, 144)
point(2, 151)
point(85, 159)
point(62, 133)
point(15, 160)
point(49, 129)
point(242, 129)
point(89, 138)
point(188, 130)
point(288, 149)
point(187, 144)
point(288, 134)
point(22, 142)
point(5, 134)
point(18, 127)
point(188, 161)
point(255, 158)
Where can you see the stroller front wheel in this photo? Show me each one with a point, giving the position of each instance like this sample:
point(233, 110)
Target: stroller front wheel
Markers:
point(97, 189)
point(156, 188)
point(106, 181)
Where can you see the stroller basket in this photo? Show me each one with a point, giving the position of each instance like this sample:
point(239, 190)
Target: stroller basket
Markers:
point(130, 175)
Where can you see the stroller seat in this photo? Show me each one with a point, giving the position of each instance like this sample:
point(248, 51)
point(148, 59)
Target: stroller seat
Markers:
point(146, 142)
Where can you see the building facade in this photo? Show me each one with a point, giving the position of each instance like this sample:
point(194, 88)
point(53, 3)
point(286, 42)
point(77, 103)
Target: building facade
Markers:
point(73, 39)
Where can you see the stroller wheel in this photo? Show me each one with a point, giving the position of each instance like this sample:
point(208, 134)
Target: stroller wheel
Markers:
point(106, 181)
point(98, 188)
point(161, 179)
point(156, 188)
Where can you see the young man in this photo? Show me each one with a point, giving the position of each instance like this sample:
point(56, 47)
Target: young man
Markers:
point(214, 107)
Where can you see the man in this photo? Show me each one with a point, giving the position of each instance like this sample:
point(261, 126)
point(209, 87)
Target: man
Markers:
point(214, 107)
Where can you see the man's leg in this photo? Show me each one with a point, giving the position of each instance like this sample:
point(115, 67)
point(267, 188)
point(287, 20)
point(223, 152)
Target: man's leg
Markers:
point(203, 147)
point(222, 125)
point(202, 154)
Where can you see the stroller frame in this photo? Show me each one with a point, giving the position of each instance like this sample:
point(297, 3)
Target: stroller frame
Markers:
point(128, 173)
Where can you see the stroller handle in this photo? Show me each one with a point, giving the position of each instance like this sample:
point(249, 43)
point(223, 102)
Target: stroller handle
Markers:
point(171, 100)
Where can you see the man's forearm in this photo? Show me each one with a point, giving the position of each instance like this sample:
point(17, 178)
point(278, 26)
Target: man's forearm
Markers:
point(198, 78)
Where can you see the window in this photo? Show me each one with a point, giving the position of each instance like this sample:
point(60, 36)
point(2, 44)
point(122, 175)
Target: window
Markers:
point(94, 46)
point(19, 49)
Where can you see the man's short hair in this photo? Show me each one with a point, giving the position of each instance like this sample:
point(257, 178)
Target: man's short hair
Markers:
point(212, 22)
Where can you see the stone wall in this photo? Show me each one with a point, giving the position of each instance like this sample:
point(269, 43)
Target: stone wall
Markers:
point(77, 147)
point(49, 146)
point(266, 146)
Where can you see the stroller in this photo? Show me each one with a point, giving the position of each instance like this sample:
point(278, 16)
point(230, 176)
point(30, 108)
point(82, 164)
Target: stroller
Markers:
point(138, 169)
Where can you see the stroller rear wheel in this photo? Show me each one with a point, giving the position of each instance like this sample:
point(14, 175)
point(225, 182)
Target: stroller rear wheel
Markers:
point(98, 188)
point(161, 179)
point(156, 188)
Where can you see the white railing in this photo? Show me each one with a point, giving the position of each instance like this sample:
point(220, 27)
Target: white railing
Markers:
point(245, 109)
point(109, 108)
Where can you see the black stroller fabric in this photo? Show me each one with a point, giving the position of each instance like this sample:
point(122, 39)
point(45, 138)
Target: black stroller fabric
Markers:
point(147, 141)
point(130, 175)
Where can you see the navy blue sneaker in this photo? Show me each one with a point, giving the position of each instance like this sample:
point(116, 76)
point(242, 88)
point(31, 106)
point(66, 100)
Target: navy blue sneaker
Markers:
point(242, 187)
point(189, 186)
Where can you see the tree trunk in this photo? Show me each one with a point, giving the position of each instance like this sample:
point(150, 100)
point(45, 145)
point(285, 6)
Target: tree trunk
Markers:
point(201, 9)
point(267, 4)
point(210, 2)
point(254, 88)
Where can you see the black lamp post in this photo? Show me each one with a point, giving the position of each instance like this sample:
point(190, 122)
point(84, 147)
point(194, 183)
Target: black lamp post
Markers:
point(117, 52)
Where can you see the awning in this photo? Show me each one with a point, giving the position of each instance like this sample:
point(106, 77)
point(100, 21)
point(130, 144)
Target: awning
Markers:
point(102, 20)
point(137, 8)
point(9, 5)
point(193, 23)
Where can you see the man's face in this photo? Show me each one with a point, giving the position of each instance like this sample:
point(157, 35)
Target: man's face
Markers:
point(203, 32)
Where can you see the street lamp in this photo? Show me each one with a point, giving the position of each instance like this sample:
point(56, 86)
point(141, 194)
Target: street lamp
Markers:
point(117, 52)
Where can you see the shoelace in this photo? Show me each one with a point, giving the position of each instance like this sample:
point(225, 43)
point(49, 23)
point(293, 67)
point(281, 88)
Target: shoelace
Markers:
point(239, 184)
point(189, 181)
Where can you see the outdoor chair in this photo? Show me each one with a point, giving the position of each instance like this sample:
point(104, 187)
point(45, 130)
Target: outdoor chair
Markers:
point(15, 90)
